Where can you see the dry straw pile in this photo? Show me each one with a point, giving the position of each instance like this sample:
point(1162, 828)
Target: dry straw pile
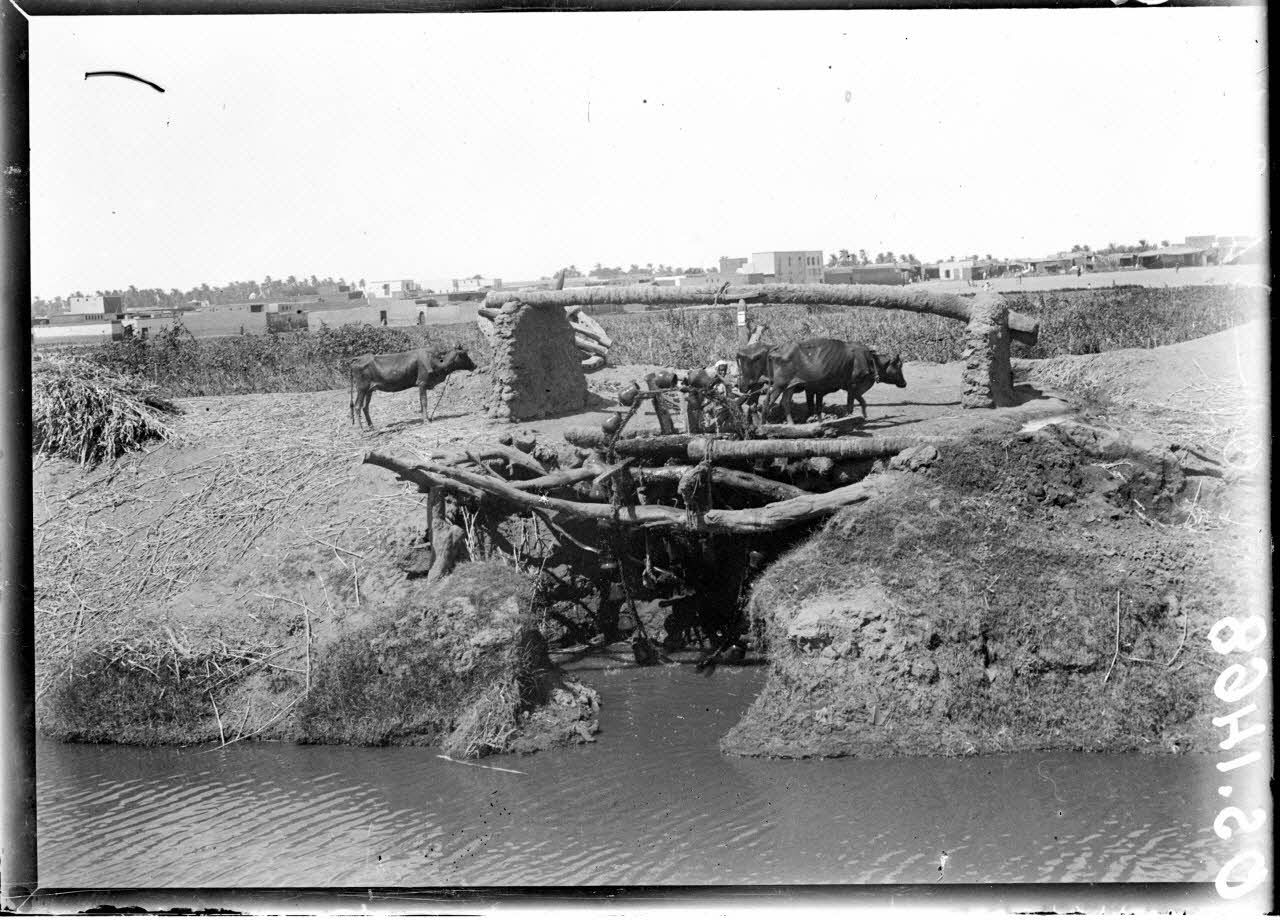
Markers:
point(81, 411)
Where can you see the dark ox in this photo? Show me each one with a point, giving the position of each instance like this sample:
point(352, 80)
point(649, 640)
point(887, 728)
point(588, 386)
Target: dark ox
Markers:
point(392, 373)
point(753, 363)
point(822, 366)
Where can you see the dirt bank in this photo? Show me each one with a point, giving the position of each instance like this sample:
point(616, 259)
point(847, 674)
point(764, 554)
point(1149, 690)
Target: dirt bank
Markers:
point(255, 557)
point(1042, 590)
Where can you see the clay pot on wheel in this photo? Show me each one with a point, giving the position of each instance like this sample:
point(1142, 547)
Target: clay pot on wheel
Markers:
point(612, 424)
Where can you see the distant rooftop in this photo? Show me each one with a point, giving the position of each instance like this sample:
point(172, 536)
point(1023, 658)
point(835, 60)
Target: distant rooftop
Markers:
point(1174, 251)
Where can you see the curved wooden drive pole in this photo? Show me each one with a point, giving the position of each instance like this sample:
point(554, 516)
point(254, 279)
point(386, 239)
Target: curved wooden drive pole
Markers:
point(774, 516)
point(1023, 329)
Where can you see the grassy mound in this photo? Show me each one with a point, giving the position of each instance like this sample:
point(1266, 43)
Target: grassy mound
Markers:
point(1011, 599)
point(87, 413)
point(464, 669)
point(460, 666)
point(146, 685)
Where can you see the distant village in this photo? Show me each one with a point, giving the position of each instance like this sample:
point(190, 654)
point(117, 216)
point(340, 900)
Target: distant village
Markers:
point(404, 302)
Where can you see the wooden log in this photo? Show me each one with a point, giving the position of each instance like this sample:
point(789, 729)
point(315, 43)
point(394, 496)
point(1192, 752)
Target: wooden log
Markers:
point(423, 480)
point(556, 480)
point(1022, 328)
point(590, 346)
point(665, 425)
point(587, 332)
point(643, 442)
point(489, 313)
point(810, 430)
point(773, 516)
point(594, 363)
point(448, 543)
point(835, 448)
point(588, 325)
point(737, 479)
point(579, 331)
point(491, 452)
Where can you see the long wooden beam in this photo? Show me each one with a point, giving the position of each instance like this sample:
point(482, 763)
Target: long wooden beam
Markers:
point(721, 476)
point(644, 442)
point(804, 448)
point(696, 447)
point(1022, 328)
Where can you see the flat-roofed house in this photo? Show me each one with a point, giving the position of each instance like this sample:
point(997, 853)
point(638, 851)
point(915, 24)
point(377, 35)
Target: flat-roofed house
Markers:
point(399, 288)
point(796, 266)
point(1173, 257)
point(872, 273)
point(98, 305)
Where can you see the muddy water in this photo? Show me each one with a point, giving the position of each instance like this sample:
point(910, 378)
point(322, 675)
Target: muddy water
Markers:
point(652, 802)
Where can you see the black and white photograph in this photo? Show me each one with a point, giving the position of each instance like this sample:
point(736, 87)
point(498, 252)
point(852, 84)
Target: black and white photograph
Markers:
point(715, 458)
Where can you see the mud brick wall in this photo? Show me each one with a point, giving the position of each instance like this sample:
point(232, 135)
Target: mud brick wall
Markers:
point(537, 370)
point(988, 377)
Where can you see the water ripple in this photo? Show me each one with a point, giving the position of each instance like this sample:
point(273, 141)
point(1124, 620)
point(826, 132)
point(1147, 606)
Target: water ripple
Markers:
point(653, 801)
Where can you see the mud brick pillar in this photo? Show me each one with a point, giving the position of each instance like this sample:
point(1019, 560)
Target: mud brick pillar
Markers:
point(537, 369)
point(988, 377)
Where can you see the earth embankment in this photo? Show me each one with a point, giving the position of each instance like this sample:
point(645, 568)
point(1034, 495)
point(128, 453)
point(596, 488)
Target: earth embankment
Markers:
point(1045, 589)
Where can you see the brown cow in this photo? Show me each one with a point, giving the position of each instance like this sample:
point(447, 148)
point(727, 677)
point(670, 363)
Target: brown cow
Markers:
point(822, 366)
point(392, 373)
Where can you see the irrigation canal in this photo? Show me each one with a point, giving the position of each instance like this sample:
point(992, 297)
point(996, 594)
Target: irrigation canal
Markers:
point(653, 801)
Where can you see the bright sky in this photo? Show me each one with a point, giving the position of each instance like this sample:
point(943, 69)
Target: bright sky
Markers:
point(435, 146)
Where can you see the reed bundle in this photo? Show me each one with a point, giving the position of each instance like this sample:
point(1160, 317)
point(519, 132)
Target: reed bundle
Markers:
point(86, 413)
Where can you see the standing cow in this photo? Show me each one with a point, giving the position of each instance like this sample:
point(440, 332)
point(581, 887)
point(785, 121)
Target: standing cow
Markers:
point(822, 366)
point(392, 373)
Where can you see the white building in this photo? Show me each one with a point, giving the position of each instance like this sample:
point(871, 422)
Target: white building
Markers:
point(96, 306)
point(396, 289)
point(798, 266)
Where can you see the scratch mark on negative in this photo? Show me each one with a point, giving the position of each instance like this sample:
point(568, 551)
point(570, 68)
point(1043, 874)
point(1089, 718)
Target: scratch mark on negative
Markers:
point(125, 74)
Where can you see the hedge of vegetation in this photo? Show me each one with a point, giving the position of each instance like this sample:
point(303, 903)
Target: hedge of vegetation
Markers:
point(1072, 322)
point(284, 362)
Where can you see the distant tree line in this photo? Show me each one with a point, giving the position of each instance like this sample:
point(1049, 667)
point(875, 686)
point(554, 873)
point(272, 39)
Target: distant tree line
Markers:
point(848, 257)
